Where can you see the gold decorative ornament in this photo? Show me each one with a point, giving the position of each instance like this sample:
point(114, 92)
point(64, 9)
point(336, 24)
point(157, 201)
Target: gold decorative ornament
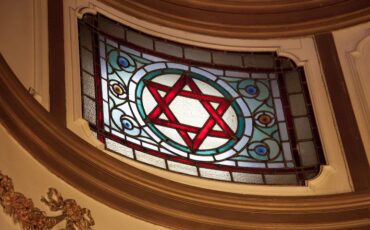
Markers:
point(23, 211)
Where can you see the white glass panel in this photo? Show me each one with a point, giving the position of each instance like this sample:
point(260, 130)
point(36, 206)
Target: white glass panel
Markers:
point(236, 74)
point(279, 110)
point(151, 134)
point(247, 178)
point(303, 128)
point(131, 92)
point(281, 179)
point(153, 58)
point(85, 37)
point(259, 76)
point(149, 146)
point(155, 66)
point(225, 155)
point(241, 144)
point(106, 113)
point(307, 153)
point(283, 131)
point(167, 79)
point(251, 164)
point(275, 165)
point(197, 54)
point(88, 85)
point(139, 39)
point(133, 140)
point(163, 150)
point(243, 106)
point(207, 89)
point(203, 73)
point(287, 151)
point(297, 105)
point(177, 66)
point(131, 51)
point(112, 43)
point(292, 82)
point(189, 111)
point(118, 134)
point(227, 87)
point(119, 148)
point(89, 110)
point(150, 159)
point(104, 89)
point(171, 133)
point(102, 50)
point(174, 150)
point(218, 72)
point(103, 68)
point(275, 88)
point(227, 59)
point(149, 102)
point(168, 48)
point(87, 61)
point(213, 142)
point(228, 163)
point(182, 168)
point(215, 174)
point(138, 75)
point(201, 158)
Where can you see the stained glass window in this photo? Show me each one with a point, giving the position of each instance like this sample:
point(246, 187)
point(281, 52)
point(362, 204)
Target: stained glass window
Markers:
point(241, 117)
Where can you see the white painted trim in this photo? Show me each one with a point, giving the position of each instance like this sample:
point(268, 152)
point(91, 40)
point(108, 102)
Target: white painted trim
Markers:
point(41, 54)
point(334, 177)
point(353, 46)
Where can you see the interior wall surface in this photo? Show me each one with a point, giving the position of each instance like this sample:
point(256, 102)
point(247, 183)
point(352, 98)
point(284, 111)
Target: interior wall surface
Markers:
point(17, 45)
point(353, 45)
point(25, 51)
point(24, 44)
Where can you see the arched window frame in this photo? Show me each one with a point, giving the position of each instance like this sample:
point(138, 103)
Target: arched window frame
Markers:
point(333, 178)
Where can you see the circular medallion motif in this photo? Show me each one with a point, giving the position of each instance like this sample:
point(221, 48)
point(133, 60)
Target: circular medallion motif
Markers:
point(264, 150)
point(118, 89)
point(264, 119)
point(190, 112)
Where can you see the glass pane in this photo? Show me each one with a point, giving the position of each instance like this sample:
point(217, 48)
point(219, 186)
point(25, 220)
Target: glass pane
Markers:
point(240, 117)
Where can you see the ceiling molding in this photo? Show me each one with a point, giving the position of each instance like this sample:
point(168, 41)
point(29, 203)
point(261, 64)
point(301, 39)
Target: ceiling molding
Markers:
point(248, 19)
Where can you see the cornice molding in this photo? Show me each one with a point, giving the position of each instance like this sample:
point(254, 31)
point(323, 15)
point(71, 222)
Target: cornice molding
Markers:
point(248, 19)
point(155, 199)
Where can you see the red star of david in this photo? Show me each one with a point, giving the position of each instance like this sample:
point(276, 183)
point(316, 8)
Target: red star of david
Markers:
point(183, 129)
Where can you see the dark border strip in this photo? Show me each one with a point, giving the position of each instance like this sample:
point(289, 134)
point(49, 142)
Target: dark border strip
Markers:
point(348, 129)
point(56, 61)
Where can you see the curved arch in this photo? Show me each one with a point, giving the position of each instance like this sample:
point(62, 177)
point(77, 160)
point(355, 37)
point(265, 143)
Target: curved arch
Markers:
point(248, 19)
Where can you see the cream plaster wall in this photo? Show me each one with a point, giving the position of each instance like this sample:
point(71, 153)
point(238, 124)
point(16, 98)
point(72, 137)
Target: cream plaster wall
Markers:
point(353, 46)
point(33, 180)
point(26, 52)
point(24, 44)
point(16, 22)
